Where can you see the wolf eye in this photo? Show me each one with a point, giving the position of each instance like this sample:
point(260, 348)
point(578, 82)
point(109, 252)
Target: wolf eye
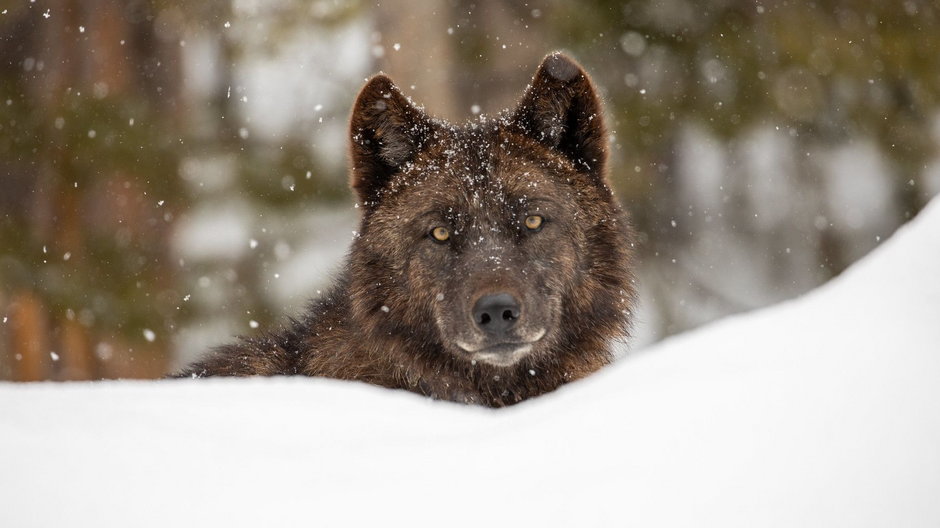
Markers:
point(440, 234)
point(534, 222)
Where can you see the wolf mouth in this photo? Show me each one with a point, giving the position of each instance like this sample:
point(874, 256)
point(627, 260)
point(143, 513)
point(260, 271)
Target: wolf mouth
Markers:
point(500, 354)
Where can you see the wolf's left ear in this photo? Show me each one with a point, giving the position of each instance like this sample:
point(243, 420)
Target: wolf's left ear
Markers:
point(561, 110)
point(386, 131)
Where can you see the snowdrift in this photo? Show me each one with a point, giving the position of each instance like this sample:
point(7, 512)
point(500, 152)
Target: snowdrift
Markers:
point(823, 411)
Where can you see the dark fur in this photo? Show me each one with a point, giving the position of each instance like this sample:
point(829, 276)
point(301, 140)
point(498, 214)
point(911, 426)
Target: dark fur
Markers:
point(403, 301)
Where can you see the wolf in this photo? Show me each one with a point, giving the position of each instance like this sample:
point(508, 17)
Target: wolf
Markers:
point(493, 262)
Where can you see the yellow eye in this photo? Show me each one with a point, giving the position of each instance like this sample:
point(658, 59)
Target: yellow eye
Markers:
point(533, 222)
point(441, 234)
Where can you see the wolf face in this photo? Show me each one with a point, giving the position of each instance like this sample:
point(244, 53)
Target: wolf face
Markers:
point(498, 242)
point(493, 263)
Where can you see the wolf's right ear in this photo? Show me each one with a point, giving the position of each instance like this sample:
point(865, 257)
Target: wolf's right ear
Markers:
point(386, 131)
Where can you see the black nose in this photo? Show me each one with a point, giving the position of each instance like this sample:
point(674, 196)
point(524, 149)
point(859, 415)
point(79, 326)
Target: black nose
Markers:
point(496, 313)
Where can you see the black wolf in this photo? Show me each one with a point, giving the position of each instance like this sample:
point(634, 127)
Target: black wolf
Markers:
point(493, 261)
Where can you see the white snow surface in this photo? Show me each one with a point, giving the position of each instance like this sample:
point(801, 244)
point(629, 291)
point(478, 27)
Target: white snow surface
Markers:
point(822, 411)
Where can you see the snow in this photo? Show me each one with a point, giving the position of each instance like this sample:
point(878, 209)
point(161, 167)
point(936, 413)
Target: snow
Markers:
point(216, 231)
point(272, 76)
point(822, 411)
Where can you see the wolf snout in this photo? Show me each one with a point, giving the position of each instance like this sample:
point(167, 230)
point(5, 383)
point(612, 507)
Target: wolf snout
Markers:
point(496, 314)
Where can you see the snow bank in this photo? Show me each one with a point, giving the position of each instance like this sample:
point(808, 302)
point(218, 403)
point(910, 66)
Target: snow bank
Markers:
point(824, 411)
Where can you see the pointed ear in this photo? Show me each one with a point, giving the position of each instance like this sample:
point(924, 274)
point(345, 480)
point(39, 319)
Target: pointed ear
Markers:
point(561, 110)
point(386, 131)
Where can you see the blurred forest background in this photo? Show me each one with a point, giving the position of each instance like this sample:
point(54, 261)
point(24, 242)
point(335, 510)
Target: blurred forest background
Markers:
point(173, 172)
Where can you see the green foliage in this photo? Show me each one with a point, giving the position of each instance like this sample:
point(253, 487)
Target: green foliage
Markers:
point(826, 70)
point(91, 189)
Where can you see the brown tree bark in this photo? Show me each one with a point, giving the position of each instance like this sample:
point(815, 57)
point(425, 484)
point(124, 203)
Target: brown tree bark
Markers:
point(29, 334)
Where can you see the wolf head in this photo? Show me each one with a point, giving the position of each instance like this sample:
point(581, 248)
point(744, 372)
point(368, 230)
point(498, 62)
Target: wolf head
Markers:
point(496, 244)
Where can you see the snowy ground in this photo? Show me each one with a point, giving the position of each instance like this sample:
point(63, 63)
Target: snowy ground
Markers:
point(823, 411)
